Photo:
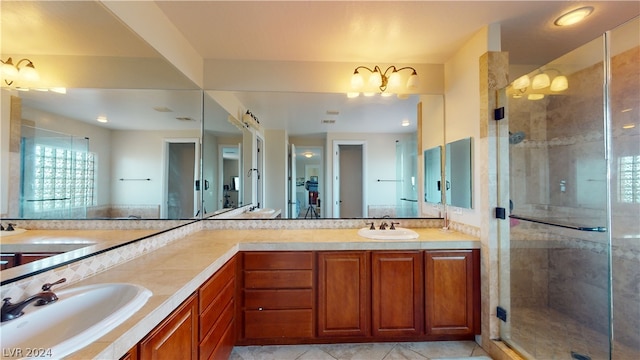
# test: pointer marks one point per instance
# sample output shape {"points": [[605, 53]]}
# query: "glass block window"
{"points": [[63, 178], [629, 179]]}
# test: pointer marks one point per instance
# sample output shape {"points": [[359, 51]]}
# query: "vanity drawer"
{"points": [[270, 324], [278, 260], [278, 299], [281, 279], [210, 315], [216, 336], [217, 282]]}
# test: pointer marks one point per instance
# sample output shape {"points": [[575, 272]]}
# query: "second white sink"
{"points": [[78, 318], [397, 234]]}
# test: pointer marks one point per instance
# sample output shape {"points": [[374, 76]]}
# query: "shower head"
{"points": [[516, 138]]}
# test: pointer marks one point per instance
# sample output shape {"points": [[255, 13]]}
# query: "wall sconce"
{"points": [[390, 78], [26, 73]]}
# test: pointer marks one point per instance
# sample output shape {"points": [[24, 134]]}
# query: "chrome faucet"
{"points": [[11, 311]]}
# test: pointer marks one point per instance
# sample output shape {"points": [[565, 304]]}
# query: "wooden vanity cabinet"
{"points": [[176, 337], [397, 293], [217, 313], [452, 289], [344, 294], [9, 260], [277, 295]]}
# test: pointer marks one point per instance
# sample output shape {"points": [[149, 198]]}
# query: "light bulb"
{"points": [[375, 79], [521, 82]]}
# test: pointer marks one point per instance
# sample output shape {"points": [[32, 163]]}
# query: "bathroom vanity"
{"points": [[217, 288]]}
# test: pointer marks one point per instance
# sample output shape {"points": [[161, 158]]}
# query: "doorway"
{"points": [[180, 195], [349, 174]]}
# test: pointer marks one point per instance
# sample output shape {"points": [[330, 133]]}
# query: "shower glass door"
{"points": [[570, 260], [58, 175], [558, 303]]}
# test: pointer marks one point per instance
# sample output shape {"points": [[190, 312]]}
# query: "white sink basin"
{"points": [[78, 318], [397, 234]]}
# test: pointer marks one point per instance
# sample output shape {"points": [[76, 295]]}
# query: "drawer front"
{"points": [[210, 315], [278, 299], [216, 283], [299, 260], [268, 324], [281, 279], [212, 339]]}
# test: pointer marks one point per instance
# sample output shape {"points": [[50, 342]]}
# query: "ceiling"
{"points": [[367, 32]]}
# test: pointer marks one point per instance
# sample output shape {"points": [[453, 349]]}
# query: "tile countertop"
{"points": [[72, 244], [176, 270]]}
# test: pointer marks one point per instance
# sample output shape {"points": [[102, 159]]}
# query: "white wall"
{"points": [[462, 110], [140, 155]]}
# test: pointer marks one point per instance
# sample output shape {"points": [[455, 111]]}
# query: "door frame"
{"points": [[165, 172], [336, 175]]}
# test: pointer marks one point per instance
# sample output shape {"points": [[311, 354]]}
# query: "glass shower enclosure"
{"points": [[58, 175], [570, 263]]}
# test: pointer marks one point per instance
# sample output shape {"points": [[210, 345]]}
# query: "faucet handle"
{"points": [[372, 227], [384, 225], [47, 286], [393, 225]]}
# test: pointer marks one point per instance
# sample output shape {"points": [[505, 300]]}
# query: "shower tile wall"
{"points": [[567, 270]]}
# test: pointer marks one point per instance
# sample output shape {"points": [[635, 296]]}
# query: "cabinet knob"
{"points": [[259, 309]]}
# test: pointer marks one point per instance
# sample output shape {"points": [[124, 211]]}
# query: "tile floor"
{"points": [[450, 350], [548, 334]]}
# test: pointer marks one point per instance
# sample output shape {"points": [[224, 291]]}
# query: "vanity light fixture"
{"points": [[522, 82], [24, 70], [535, 96], [379, 80], [574, 16]]}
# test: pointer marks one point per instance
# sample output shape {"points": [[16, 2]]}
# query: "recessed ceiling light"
{"points": [[628, 126], [405, 123], [574, 16], [333, 112], [102, 119]]}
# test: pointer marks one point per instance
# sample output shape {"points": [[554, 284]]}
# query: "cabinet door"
{"points": [[452, 290], [176, 337], [397, 288], [343, 294]]}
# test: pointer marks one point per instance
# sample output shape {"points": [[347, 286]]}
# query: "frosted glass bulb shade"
{"points": [[9, 71], [357, 82], [535, 96], [375, 79], [559, 83], [413, 82], [394, 80], [521, 82], [29, 73], [540, 81]]}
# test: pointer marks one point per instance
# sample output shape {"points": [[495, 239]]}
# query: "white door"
{"points": [[293, 203]]}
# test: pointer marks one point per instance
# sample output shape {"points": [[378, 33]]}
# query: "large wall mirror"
{"points": [[141, 164], [381, 130]]}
